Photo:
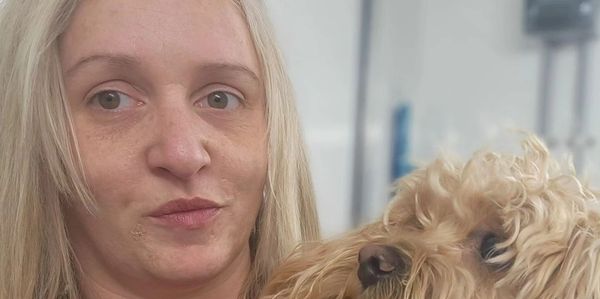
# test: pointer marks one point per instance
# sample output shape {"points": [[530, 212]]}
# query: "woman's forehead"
{"points": [[188, 34]]}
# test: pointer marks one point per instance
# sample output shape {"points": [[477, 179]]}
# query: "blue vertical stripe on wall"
{"points": [[400, 141]]}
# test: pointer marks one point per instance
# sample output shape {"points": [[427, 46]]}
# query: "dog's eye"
{"points": [[487, 249]]}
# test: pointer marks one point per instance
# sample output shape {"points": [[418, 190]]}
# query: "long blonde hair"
{"points": [[40, 169]]}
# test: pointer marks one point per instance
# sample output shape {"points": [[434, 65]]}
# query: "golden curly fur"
{"points": [[543, 222]]}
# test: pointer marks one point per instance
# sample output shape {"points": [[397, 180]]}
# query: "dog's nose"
{"points": [[377, 262]]}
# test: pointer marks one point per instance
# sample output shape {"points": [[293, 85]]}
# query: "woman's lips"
{"points": [[186, 213]]}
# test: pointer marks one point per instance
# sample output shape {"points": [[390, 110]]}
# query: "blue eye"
{"points": [[112, 100], [221, 100]]}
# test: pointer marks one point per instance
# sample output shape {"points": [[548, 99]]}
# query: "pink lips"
{"points": [[186, 213]]}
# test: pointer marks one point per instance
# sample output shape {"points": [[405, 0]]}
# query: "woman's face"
{"points": [[169, 114]]}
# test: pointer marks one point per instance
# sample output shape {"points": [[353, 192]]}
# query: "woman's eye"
{"points": [[112, 100], [487, 249], [221, 100]]}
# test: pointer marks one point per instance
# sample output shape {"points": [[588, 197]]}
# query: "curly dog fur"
{"points": [[499, 226]]}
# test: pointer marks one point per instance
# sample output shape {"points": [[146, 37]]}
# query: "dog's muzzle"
{"points": [[378, 262]]}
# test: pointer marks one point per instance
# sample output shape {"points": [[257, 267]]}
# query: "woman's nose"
{"points": [[179, 146]]}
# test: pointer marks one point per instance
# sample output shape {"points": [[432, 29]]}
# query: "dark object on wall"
{"points": [[559, 20], [558, 23]]}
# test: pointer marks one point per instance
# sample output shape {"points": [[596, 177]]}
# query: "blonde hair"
{"points": [[40, 169], [288, 214]]}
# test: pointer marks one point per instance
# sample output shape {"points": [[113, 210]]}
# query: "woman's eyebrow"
{"points": [[228, 68], [114, 60], [126, 61]]}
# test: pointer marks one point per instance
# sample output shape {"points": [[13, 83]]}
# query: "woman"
{"points": [[149, 149]]}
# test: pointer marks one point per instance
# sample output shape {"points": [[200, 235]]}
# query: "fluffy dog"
{"points": [[499, 226]]}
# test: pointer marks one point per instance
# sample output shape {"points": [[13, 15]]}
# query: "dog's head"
{"points": [[499, 226]]}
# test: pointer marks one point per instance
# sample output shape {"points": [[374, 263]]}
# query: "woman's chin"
{"points": [[195, 264], [187, 267]]}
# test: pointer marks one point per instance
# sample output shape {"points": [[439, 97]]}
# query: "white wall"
{"points": [[480, 74], [320, 43], [464, 66], [477, 74], [395, 64], [470, 74]]}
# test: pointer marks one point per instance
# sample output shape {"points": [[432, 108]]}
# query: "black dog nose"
{"points": [[378, 262]]}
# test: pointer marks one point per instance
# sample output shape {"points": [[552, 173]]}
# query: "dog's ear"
{"points": [[566, 268], [552, 230]]}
